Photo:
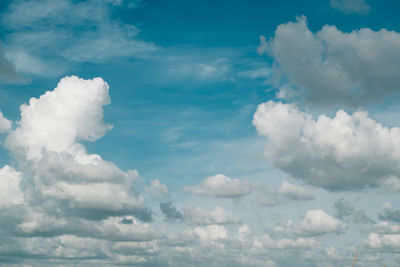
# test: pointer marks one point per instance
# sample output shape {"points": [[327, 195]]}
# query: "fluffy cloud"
{"points": [[287, 192], [5, 124], [386, 242], [58, 119], [157, 189], [64, 196], [335, 67], [220, 186], [317, 222], [59, 175], [68, 31], [346, 152], [204, 217], [351, 6]]}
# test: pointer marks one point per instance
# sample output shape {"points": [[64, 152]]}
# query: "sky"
{"points": [[199, 133]]}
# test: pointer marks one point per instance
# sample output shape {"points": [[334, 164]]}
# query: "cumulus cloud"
{"points": [[351, 6], [157, 189], [58, 119], [334, 67], [58, 174], [200, 216], [317, 222], [220, 186], [287, 192], [384, 242], [345, 152], [69, 32], [5, 125]]}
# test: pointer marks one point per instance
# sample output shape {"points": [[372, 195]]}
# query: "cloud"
{"points": [[346, 152], [391, 184], [157, 189], [210, 70], [10, 187], [345, 209], [69, 32], [7, 70], [333, 67], [351, 6], [385, 242], [386, 228], [220, 186], [287, 192], [58, 174], [388, 213], [199, 216], [317, 222], [58, 119], [5, 125], [170, 211]]}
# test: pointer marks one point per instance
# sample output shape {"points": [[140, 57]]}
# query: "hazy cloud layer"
{"points": [[351, 6], [286, 193], [220, 186], [69, 32]]}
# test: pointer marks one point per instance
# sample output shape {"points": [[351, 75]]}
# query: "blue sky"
{"points": [[198, 133]]}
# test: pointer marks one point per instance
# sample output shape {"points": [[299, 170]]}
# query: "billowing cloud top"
{"points": [[73, 111]]}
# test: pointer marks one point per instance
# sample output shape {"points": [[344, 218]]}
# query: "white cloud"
{"points": [[220, 186], [287, 192], [10, 192], [351, 6], [60, 175], [378, 241], [5, 125], [58, 119], [157, 189], [334, 67], [317, 222], [342, 153], [204, 217]]}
